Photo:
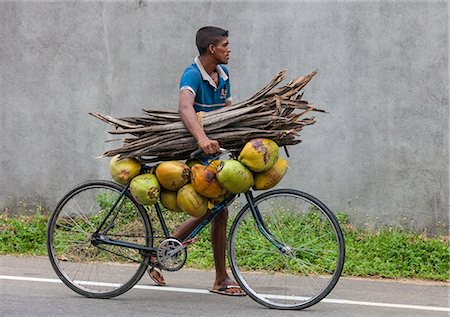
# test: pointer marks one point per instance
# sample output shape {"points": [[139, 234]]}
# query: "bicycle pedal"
{"points": [[190, 241]]}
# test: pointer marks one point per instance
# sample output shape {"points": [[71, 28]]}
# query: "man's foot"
{"points": [[228, 287], [156, 275]]}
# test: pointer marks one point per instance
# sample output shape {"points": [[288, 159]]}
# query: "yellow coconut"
{"points": [[259, 155], [271, 177], [123, 170], [145, 189], [192, 202], [204, 180], [172, 175], [234, 177], [214, 163], [169, 200]]}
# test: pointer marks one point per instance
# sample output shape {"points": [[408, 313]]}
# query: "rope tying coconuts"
{"points": [[257, 126]]}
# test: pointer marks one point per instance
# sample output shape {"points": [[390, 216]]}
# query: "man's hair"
{"points": [[209, 35]]}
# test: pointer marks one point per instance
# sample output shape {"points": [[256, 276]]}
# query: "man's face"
{"points": [[221, 51]]}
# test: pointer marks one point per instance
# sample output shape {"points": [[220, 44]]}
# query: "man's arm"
{"points": [[190, 121]]}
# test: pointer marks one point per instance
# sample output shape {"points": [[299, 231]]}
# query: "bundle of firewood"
{"points": [[159, 135]]}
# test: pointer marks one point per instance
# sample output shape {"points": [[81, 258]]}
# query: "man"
{"points": [[205, 86]]}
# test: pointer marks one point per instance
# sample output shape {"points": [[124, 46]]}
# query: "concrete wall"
{"points": [[381, 154]]}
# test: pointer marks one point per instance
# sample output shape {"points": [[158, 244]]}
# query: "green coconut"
{"points": [[192, 162], [234, 177], [124, 170], [145, 189]]}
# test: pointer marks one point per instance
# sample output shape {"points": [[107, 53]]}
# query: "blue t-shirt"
{"points": [[208, 97]]}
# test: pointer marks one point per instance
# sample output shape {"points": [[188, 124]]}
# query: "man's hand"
{"points": [[191, 122], [209, 146]]}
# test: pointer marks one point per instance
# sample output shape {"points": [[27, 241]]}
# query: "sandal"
{"points": [[225, 290], [155, 273]]}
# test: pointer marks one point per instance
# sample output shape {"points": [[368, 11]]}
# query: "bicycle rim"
{"points": [[308, 267], [101, 271]]}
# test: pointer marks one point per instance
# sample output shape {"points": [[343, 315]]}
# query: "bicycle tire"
{"points": [[101, 271], [310, 265]]}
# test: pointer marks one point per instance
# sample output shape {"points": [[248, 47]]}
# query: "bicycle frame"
{"points": [[99, 236]]}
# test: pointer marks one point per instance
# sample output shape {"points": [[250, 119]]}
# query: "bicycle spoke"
{"points": [[310, 262], [81, 230], [102, 270], [83, 216]]}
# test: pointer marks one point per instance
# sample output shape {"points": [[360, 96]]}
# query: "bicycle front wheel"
{"points": [[91, 269], [302, 262]]}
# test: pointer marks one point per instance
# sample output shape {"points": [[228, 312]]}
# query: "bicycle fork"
{"points": [[262, 226]]}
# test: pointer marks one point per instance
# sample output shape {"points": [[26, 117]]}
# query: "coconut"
{"points": [[169, 200], [204, 180], [271, 177], [192, 202], [259, 155], [215, 201], [214, 163], [172, 175], [145, 189], [192, 162], [234, 176], [123, 170]]}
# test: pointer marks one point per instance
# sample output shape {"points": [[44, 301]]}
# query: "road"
{"points": [[29, 287]]}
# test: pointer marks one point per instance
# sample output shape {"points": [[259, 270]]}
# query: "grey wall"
{"points": [[381, 154]]}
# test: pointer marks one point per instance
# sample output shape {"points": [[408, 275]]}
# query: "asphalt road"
{"points": [[29, 287]]}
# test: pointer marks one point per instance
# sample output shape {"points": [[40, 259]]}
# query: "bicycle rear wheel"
{"points": [[308, 266], [99, 271]]}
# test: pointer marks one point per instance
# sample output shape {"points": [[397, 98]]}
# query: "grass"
{"points": [[389, 252], [23, 234], [395, 253]]}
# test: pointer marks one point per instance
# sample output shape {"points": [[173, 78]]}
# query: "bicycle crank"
{"points": [[171, 254]]}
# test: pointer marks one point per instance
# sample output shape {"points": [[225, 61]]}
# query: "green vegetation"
{"points": [[23, 234], [389, 252], [395, 253]]}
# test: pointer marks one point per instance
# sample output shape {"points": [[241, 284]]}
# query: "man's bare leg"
{"points": [[181, 233], [219, 242], [186, 227]]}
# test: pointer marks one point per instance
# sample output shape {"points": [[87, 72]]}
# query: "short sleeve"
{"points": [[227, 85], [190, 80]]}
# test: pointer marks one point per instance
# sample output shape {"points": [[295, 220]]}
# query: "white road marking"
{"points": [[202, 291]]}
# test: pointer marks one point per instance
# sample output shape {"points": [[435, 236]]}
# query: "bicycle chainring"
{"points": [[171, 254]]}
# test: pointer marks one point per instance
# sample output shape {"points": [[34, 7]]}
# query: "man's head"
{"points": [[213, 40]]}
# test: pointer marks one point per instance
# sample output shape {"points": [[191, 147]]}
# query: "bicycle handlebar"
{"points": [[222, 151], [197, 153]]}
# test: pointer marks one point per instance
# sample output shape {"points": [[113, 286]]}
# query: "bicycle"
{"points": [[285, 247]]}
